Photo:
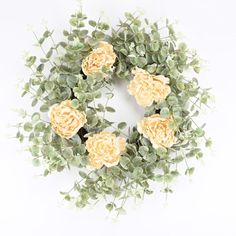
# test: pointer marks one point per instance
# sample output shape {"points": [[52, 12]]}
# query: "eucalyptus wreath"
{"points": [[68, 127]]}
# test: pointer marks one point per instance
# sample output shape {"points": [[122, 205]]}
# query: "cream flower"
{"points": [[157, 130], [105, 149], [98, 58], [65, 120], [147, 88]]}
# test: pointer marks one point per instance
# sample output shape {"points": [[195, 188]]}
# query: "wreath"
{"points": [[68, 128]]}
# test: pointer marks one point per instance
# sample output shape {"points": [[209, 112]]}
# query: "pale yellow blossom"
{"points": [[105, 148], [103, 56], [65, 120], [157, 130], [147, 88]]}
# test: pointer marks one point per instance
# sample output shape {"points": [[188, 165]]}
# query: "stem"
{"points": [[42, 100], [54, 44], [197, 127], [115, 197], [120, 131], [45, 54], [128, 21], [194, 103], [78, 183], [124, 198]]}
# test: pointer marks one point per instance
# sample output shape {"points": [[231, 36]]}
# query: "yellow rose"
{"points": [[65, 120], [105, 148], [98, 58], [147, 88], [157, 130]]}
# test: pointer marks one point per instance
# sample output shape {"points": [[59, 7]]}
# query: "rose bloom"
{"points": [[98, 58], [105, 148], [147, 88], [65, 120], [157, 130]]}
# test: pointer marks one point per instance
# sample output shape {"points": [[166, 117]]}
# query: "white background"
{"points": [[30, 204]]}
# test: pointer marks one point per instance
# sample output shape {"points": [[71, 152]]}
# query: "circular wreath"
{"points": [[69, 128]]}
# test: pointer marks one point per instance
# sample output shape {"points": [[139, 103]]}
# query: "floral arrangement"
{"points": [[68, 128]]}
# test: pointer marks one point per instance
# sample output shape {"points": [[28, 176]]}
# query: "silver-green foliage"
{"points": [[57, 76]]}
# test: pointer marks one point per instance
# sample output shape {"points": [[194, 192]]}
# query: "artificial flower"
{"points": [[147, 88], [157, 130], [105, 148], [65, 120], [103, 56]]}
